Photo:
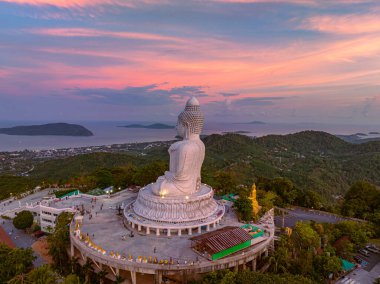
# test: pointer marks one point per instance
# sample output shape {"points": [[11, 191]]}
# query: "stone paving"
{"points": [[361, 276], [21, 239], [106, 229]]}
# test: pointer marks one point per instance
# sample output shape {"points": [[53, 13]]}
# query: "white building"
{"points": [[46, 216]]}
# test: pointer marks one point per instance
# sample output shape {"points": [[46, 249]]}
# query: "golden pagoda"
{"points": [[255, 204]]}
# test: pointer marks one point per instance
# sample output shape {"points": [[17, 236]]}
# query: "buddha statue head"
{"points": [[190, 120]]}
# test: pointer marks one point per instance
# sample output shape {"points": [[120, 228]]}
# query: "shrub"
{"points": [[23, 220]]}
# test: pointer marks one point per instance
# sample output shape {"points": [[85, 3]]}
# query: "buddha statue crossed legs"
{"points": [[186, 156]]}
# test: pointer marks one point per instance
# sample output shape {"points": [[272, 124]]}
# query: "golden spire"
{"points": [[255, 204]]}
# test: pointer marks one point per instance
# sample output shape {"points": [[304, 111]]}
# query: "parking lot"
{"points": [[367, 273], [372, 259]]}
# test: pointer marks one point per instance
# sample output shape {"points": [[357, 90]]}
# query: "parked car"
{"points": [[372, 248], [358, 258], [364, 252]]}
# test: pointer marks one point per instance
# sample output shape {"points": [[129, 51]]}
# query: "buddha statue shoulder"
{"points": [[186, 156]]}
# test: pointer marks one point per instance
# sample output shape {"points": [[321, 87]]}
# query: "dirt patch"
{"points": [[4, 238], [42, 248]]}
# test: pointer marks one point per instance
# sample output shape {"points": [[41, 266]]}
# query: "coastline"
{"points": [[107, 134]]}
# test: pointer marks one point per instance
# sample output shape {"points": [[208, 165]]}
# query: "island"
{"points": [[252, 122], [151, 126], [236, 132], [256, 122], [56, 129]]}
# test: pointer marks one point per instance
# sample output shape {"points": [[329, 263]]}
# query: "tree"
{"points": [[23, 220], [149, 173], [18, 279], [42, 275], [119, 279], [266, 199], [309, 199], [325, 265], [355, 231], [87, 271], [225, 182], [14, 261], [102, 275], [360, 199], [59, 241], [103, 178], [285, 189], [279, 261], [243, 206], [305, 236], [123, 176], [72, 279]]}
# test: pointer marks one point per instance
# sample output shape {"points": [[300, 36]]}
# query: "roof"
{"points": [[346, 265], [222, 239]]}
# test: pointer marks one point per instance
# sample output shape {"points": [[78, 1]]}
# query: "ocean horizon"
{"points": [[110, 132]]}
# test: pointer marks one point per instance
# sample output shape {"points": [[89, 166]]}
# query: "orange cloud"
{"points": [[82, 32], [221, 64], [346, 24]]}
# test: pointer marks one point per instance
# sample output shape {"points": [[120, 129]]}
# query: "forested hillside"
{"points": [[315, 161]]}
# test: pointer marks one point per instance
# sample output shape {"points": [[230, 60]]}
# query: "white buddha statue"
{"points": [[186, 156]]}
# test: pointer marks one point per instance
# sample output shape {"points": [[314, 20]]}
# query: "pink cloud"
{"points": [[346, 24], [221, 64], [82, 32], [300, 2], [82, 3]]}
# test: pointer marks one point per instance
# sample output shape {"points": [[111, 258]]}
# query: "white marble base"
{"points": [[197, 206], [174, 215]]}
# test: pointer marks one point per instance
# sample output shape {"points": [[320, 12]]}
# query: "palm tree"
{"points": [[119, 279], [73, 264], [19, 279], [42, 275], [102, 274], [87, 269]]}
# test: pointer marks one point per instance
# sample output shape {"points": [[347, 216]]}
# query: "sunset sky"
{"points": [[276, 61]]}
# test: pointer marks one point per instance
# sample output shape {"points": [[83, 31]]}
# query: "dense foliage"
{"points": [[363, 201], [23, 220], [13, 185], [17, 261], [40, 275], [315, 162], [313, 249], [59, 242], [247, 277]]}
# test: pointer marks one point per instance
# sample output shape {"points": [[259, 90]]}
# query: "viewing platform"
{"points": [[139, 257]]}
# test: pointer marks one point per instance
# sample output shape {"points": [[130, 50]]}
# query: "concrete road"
{"points": [[292, 216], [32, 198]]}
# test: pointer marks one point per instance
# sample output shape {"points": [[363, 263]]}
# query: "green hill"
{"points": [[313, 160]]}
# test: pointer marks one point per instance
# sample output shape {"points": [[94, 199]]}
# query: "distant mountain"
{"points": [[358, 138], [57, 129], [236, 132], [256, 122], [151, 126]]}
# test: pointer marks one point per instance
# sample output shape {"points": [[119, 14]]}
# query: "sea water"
{"points": [[110, 132]]}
